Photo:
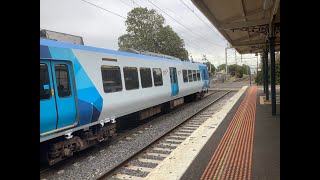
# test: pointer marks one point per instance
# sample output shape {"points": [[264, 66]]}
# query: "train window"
{"points": [[45, 92], [194, 73], [145, 74], [131, 78], [63, 80], [157, 76], [190, 75], [185, 75], [198, 75], [111, 79]]}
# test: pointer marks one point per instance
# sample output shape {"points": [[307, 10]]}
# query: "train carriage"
{"points": [[86, 93]]}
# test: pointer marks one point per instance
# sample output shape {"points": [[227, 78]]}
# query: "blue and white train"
{"points": [[86, 93]]}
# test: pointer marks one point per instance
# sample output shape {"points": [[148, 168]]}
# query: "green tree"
{"points": [[146, 32], [240, 71], [245, 69], [232, 69], [259, 78], [221, 67], [236, 70], [171, 44]]}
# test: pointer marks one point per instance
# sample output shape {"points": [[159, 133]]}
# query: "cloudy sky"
{"points": [[101, 28]]}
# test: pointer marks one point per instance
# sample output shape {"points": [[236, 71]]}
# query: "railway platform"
{"points": [[241, 141]]}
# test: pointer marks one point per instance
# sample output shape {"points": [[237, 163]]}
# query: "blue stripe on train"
{"points": [[44, 52], [89, 100]]}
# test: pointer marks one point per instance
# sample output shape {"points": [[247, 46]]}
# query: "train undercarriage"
{"points": [[58, 149]]}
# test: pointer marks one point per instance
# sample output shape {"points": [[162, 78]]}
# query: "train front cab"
{"points": [[58, 106], [205, 77]]}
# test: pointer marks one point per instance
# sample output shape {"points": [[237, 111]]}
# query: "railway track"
{"points": [[247, 78], [144, 161], [124, 135]]}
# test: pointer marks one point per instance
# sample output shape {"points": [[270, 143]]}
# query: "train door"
{"points": [[57, 95], [48, 112], [174, 81]]}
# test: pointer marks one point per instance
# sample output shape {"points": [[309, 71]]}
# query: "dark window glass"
{"points": [[173, 75], [45, 91], [194, 72], [111, 79], [185, 75], [157, 76], [63, 80], [190, 75], [145, 74], [131, 78], [198, 75]]}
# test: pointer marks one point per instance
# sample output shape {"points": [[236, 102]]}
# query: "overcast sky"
{"points": [[100, 28]]}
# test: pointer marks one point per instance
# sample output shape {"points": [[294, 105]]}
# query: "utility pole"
{"points": [[191, 59], [226, 49], [205, 58], [249, 74], [257, 67], [235, 55], [257, 64]]}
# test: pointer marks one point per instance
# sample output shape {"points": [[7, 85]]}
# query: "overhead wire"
{"points": [[200, 48], [188, 42], [191, 35], [202, 20], [135, 3], [103, 9], [184, 25], [126, 3]]}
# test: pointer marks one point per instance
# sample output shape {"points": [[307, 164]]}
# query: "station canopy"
{"points": [[245, 24]]}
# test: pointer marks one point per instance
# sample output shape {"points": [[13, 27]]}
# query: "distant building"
{"points": [[62, 37]]}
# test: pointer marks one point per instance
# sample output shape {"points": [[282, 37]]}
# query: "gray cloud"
{"points": [[102, 29]]}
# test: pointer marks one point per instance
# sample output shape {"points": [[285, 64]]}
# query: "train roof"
{"points": [[47, 42]]}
